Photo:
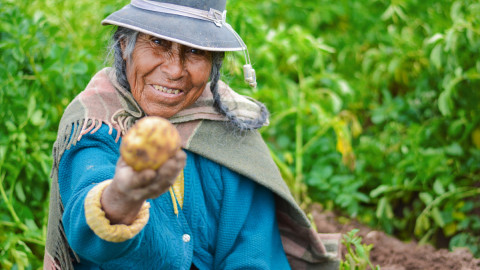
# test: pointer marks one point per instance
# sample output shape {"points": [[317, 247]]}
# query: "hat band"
{"points": [[212, 15]]}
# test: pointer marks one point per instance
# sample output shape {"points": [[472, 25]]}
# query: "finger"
{"points": [[171, 169], [179, 160], [157, 182], [174, 162], [180, 154], [144, 178]]}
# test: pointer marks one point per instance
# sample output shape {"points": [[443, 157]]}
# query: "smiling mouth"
{"points": [[167, 90]]}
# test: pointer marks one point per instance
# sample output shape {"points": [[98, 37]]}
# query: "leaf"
{"points": [[421, 224], [36, 118], [359, 248], [445, 103], [454, 150], [32, 104], [17, 54], [381, 207], [458, 216], [19, 192], [10, 126], [459, 240], [388, 209], [456, 127], [378, 117], [37, 16], [31, 224], [336, 102], [356, 127], [388, 13], [325, 171], [476, 137], [426, 198], [379, 190], [79, 68], [361, 197], [324, 47], [400, 13], [434, 38], [3, 151], [437, 217], [436, 56], [344, 87], [438, 187], [455, 11], [450, 229]]}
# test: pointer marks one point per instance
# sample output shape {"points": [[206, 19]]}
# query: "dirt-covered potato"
{"points": [[149, 143]]}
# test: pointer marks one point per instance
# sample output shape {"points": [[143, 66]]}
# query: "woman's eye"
{"points": [[158, 41], [197, 51]]}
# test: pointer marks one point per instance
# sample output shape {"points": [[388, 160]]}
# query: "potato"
{"points": [[149, 143]]}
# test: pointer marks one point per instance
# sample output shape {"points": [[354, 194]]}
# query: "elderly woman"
{"points": [[219, 203]]}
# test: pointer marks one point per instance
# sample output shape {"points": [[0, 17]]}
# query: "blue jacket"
{"points": [[227, 221]]}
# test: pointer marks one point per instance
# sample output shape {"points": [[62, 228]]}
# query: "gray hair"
{"points": [[129, 37]]}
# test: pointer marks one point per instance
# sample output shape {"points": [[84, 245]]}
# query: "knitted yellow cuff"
{"points": [[101, 225]]}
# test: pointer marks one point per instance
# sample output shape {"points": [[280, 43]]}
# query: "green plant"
{"points": [[43, 64], [374, 107], [358, 254]]}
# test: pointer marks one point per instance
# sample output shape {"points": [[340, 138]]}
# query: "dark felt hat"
{"points": [[195, 23]]}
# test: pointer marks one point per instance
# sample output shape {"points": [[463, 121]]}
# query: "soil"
{"points": [[392, 254]]}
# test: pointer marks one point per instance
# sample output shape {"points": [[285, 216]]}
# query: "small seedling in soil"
{"points": [[358, 254]]}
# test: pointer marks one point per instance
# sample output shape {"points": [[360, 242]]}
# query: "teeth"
{"points": [[166, 90]]}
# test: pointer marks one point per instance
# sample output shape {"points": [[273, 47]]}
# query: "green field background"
{"points": [[374, 108]]}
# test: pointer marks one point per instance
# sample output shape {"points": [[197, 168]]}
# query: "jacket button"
{"points": [[186, 238]]}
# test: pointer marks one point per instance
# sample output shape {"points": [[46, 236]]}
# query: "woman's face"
{"points": [[165, 77]]}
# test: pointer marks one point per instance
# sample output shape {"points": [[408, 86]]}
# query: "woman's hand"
{"points": [[124, 197]]}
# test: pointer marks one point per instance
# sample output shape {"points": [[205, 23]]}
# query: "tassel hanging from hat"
{"points": [[248, 71], [249, 75]]}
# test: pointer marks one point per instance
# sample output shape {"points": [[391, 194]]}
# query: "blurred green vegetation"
{"points": [[375, 108]]}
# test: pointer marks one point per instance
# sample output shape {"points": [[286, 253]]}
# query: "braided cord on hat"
{"points": [[212, 15]]}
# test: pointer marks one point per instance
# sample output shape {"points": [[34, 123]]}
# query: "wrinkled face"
{"points": [[166, 77]]}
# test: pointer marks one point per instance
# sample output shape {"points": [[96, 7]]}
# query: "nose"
{"points": [[174, 64]]}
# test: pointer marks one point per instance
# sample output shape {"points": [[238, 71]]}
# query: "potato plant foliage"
{"points": [[375, 108]]}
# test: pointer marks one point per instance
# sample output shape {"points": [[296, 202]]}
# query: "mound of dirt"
{"points": [[392, 254]]}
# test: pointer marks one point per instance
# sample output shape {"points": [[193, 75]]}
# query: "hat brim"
{"points": [[195, 33]]}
